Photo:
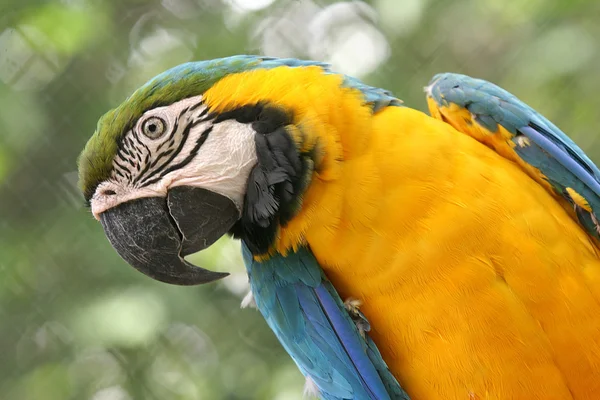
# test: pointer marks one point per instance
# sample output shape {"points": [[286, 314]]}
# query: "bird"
{"points": [[395, 254]]}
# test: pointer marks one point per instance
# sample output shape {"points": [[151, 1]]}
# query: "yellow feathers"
{"points": [[331, 117], [464, 264], [579, 199], [476, 282]]}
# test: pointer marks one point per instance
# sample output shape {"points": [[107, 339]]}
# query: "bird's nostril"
{"points": [[109, 192]]}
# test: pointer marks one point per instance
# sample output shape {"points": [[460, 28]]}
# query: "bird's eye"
{"points": [[154, 127]]}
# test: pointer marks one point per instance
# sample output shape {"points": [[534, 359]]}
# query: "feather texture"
{"points": [[476, 282], [514, 129], [310, 320]]}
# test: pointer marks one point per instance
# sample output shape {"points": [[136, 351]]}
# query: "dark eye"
{"points": [[154, 127]]}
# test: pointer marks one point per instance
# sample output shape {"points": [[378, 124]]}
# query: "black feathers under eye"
{"points": [[154, 127], [276, 183]]}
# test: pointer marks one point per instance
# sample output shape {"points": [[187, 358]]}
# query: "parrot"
{"points": [[394, 253]]}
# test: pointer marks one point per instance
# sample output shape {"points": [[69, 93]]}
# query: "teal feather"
{"points": [[212, 71], [310, 320], [553, 153], [389, 381]]}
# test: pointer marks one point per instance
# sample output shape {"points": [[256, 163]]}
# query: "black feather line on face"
{"points": [[277, 181], [201, 139]]}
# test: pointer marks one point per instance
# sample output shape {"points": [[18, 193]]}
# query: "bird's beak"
{"points": [[153, 234]]}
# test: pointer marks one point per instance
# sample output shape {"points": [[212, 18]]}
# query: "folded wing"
{"points": [[310, 320], [516, 131]]}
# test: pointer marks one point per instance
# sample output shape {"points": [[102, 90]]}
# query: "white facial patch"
{"points": [[193, 151], [223, 163]]}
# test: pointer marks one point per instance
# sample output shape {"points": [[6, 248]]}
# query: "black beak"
{"points": [[153, 234]]}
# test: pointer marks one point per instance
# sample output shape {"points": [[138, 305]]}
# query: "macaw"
{"points": [[393, 253]]}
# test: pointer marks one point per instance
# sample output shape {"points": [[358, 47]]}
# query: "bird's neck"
{"points": [[341, 189], [330, 128]]}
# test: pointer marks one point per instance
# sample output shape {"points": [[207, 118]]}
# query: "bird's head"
{"points": [[200, 151]]}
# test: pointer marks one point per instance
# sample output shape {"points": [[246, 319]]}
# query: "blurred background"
{"points": [[75, 321]]}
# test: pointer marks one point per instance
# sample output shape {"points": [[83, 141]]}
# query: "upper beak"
{"points": [[153, 234]]}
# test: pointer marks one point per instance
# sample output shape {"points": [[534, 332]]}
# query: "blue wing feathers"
{"points": [[393, 388], [289, 312], [539, 136], [308, 317], [552, 152], [351, 342]]}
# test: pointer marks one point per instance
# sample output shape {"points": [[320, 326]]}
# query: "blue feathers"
{"points": [[204, 74], [312, 324], [554, 154], [376, 97]]}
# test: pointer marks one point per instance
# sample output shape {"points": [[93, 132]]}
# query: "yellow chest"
{"points": [[478, 285]]}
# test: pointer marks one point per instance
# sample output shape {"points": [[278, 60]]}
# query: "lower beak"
{"points": [[153, 234]]}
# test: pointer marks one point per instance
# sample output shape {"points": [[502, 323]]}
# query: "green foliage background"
{"points": [[76, 322]]}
